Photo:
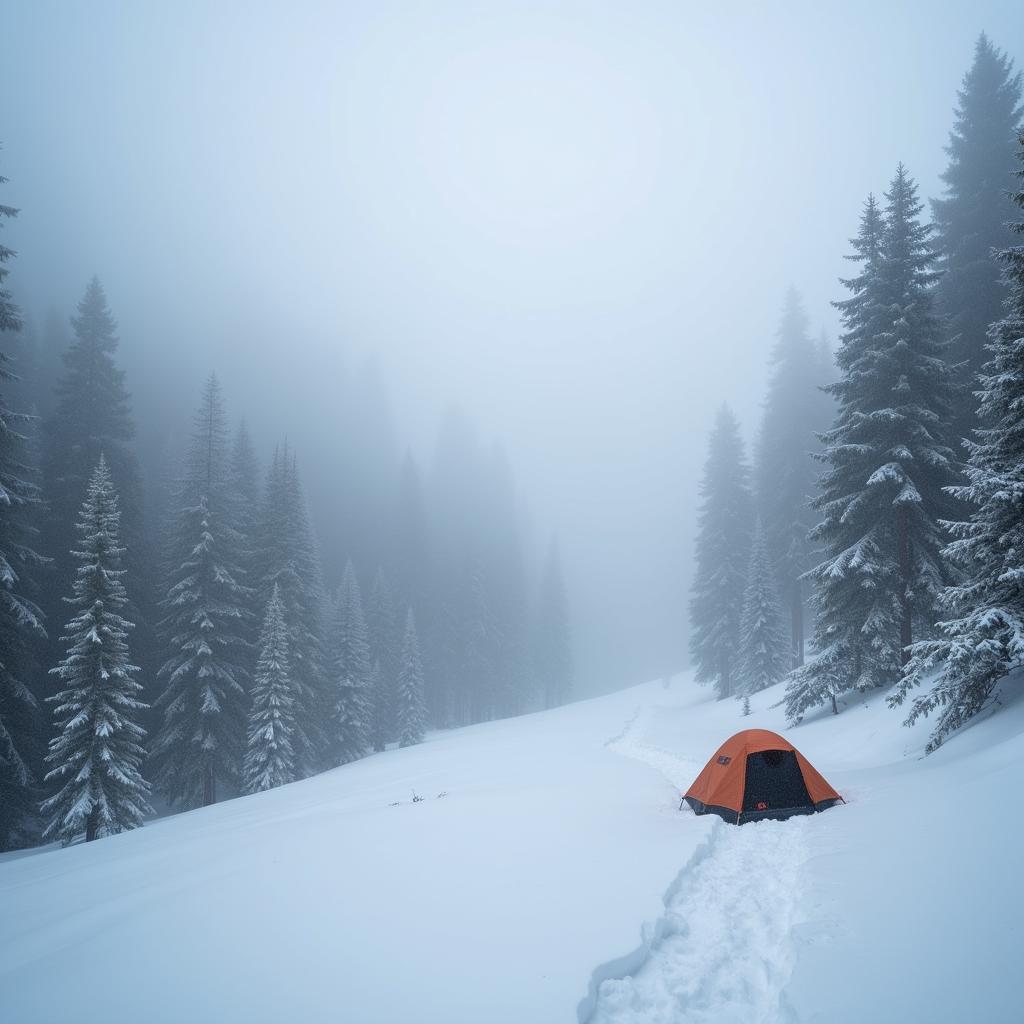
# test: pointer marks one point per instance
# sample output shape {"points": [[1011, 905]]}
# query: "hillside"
{"points": [[546, 863]]}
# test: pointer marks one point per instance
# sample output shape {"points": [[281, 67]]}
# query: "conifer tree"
{"points": [[288, 558], [887, 464], [243, 477], [10, 315], [202, 736], [270, 756], [244, 500], [982, 640], [970, 218], [786, 474], [21, 621], [384, 641], [763, 649], [723, 548], [353, 708], [552, 646], [97, 753], [410, 707], [91, 417]]}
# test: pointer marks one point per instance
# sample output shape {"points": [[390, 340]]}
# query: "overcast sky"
{"points": [[577, 220]]}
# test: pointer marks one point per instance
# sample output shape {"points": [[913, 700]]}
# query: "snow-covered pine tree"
{"points": [[410, 707], [353, 707], [289, 558], [91, 417], [97, 752], [763, 656], [785, 471], [552, 654], [243, 500], [723, 548], [202, 735], [270, 756], [382, 633], [970, 218], [21, 621], [201, 738], [983, 641], [888, 463], [243, 491]]}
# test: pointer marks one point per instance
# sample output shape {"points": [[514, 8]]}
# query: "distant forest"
{"points": [[876, 539], [168, 633]]}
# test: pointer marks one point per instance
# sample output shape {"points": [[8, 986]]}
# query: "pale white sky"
{"points": [[576, 219]]}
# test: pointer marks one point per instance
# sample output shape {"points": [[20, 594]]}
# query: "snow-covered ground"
{"points": [[554, 881]]}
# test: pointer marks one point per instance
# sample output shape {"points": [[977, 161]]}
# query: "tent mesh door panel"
{"points": [[774, 782]]}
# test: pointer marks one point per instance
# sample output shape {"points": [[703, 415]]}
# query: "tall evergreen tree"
{"points": [[763, 650], [243, 500], [983, 640], [243, 488], [723, 548], [785, 477], [288, 558], [91, 417], [202, 734], [410, 706], [384, 642], [882, 493], [21, 621], [97, 753], [970, 218], [201, 737], [353, 708], [552, 640], [270, 755]]}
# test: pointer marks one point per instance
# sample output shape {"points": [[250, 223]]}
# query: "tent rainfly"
{"points": [[755, 775]]}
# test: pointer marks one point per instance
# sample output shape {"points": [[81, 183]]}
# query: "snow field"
{"points": [[557, 881]]}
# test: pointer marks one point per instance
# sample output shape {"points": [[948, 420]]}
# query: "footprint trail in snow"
{"points": [[724, 951]]}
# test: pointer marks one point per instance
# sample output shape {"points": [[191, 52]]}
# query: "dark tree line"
{"points": [[206, 651], [898, 523]]}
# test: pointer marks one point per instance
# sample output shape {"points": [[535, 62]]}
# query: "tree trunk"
{"points": [[92, 824], [903, 539], [209, 787], [835, 709]]}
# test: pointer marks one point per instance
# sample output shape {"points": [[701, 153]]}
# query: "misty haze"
{"points": [[511, 512]]}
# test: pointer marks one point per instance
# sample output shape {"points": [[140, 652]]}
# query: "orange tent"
{"points": [[755, 775]]}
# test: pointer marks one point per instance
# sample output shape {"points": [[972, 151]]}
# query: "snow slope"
{"points": [[555, 881]]}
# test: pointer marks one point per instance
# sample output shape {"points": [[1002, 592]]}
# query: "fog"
{"points": [[576, 222]]}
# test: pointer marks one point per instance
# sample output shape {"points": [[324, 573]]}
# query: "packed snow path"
{"points": [[724, 949]]}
